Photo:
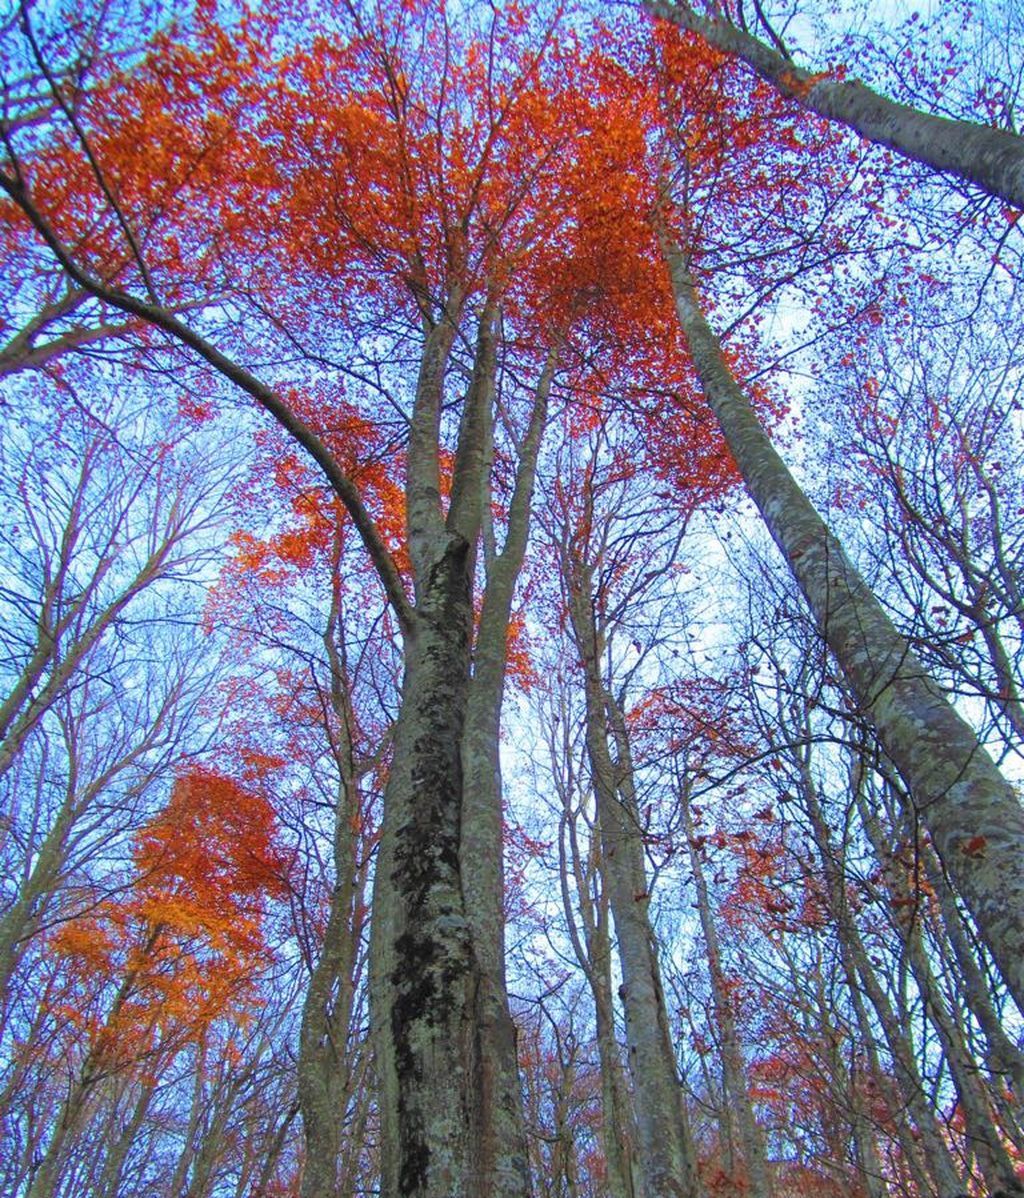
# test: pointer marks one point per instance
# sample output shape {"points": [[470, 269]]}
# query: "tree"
{"points": [[956, 788], [99, 530], [992, 159], [417, 240], [154, 969]]}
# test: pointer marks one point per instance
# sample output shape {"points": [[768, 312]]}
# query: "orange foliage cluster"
{"points": [[183, 940]]}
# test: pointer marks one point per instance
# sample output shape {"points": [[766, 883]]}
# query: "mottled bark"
{"points": [[971, 812], [424, 974], [1005, 1060], [441, 1103], [992, 159]]}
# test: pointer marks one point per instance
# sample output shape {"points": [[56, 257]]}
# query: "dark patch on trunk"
{"points": [[433, 956]]}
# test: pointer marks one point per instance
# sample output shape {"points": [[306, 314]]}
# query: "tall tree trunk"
{"points": [[992, 159], [436, 978], [971, 812], [665, 1148], [979, 1125], [1005, 1060], [504, 1158], [117, 1154], [425, 975], [324, 1067], [860, 975], [593, 952]]}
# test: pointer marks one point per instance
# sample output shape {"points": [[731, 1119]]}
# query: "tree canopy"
{"points": [[511, 588]]}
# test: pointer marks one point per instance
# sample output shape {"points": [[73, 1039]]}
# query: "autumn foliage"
{"points": [[362, 263]]}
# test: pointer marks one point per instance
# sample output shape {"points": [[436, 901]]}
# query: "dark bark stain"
{"points": [[433, 954]]}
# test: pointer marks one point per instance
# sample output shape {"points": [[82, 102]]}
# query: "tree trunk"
{"points": [[324, 1067], [979, 1125], [971, 812], [734, 1074], [593, 952], [504, 1158], [113, 1167], [861, 976], [425, 975], [992, 159], [437, 989], [666, 1152]]}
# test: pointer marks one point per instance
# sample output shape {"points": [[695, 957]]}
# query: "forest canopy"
{"points": [[511, 600]]}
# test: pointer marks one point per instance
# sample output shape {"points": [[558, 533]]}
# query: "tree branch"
{"points": [[265, 396]]}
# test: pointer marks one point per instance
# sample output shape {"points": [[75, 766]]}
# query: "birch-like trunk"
{"points": [[992, 159], [971, 812]]}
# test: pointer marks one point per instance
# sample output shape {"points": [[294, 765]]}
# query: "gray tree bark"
{"points": [[450, 1103], [503, 1154], [992, 159], [971, 812], [325, 1064], [665, 1148], [593, 952]]}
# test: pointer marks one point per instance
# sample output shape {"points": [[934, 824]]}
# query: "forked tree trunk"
{"points": [[503, 1158], [971, 812], [992, 159], [451, 1124]]}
